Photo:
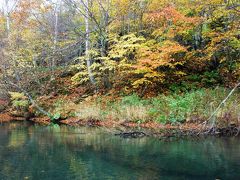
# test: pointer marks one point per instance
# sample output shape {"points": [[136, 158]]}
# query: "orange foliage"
{"points": [[167, 15]]}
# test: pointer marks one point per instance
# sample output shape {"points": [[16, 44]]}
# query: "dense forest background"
{"points": [[143, 46], [60, 52]]}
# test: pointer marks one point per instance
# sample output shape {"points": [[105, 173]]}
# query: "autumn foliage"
{"points": [[143, 46]]}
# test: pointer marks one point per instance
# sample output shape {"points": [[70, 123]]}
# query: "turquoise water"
{"points": [[34, 152]]}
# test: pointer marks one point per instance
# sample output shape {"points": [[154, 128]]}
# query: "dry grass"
{"points": [[130, 113], [89, 111], [195, 106]]}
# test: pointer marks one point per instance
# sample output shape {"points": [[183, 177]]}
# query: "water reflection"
{"points": [[32, 152]]}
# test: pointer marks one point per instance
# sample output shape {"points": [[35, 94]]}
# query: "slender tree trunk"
{"points": [[103, 39], [56, 27], [87, 43], [104, 33], [7, 13], [8, 24], [55, 38]]}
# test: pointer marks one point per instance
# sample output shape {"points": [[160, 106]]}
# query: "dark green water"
{"points": [[31, 152]]}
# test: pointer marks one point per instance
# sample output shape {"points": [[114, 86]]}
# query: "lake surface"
{"points": [[35, 152]]}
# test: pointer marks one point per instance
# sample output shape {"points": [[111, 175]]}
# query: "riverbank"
{"points": [[191, 113], [136, 130]]}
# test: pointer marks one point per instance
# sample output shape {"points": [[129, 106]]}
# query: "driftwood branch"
{"points": [[222, 103]]}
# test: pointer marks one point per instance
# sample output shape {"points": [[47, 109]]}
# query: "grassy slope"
{"points": [[195, 106]]}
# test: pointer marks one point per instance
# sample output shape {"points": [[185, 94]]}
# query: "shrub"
{"points": [[17, 96], [19, 100]]}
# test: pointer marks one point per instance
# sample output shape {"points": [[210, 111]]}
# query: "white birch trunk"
{"points": [[7, 14], [55, 37], [87, 43]]}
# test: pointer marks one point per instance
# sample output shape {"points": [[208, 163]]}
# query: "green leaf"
{"points": [[56, 116]]}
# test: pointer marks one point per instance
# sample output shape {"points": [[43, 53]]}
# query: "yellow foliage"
{"points": [[17, 96]]}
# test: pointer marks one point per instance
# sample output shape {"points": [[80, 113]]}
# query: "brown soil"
{"points": [[3, 102], [153, 128], [6, 117]]}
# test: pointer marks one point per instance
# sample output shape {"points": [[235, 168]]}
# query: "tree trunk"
{"points": [[55, 37], [87, 43], [7, 13]]}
